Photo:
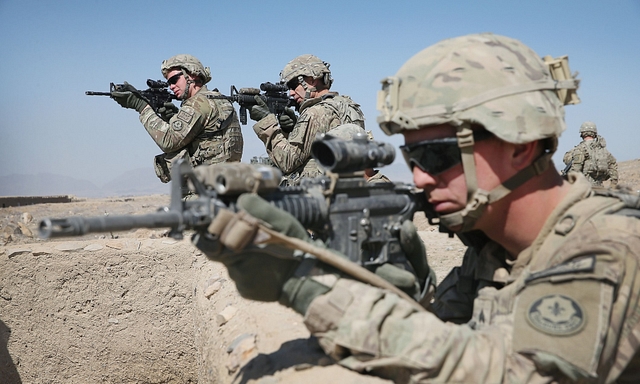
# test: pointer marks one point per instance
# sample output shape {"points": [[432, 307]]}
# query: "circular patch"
{"points": [[556, 315], [177, 125]]}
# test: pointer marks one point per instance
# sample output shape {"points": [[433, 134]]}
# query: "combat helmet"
{"points": [[306, 65], [189, 63], [588, 128], [486, 79]]}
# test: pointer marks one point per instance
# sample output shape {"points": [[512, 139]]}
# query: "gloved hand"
{"points": [[270, 273], [167, 111], [287, 120], [260, 110], [262, 273], [129, 97], [416, 253]]}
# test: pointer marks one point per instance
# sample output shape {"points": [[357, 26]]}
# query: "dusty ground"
{"points": [[136, 307]]}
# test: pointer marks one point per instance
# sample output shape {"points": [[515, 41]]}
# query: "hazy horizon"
{"points": [[55, 51]]}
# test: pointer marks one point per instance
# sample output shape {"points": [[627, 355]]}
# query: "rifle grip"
{"points": [[243, 115]]}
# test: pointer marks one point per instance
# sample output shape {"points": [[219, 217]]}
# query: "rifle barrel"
{"points": [[92, 93], [78, 226]]}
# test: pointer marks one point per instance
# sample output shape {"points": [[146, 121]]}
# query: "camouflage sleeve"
{"points": [[568, 157], [370, 330], [290, 152], [183, 127]]}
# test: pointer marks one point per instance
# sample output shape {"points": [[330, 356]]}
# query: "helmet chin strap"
{"points": [[478, 199], [307, 88], [187, 78], [185, 94]]}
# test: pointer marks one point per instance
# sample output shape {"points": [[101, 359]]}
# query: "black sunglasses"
{"points": [[436, 156], [293, 84], [174, 79]]}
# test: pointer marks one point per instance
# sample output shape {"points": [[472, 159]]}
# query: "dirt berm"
{"points": [[137, 307]]}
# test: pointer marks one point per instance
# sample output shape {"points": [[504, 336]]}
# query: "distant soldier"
{"points": [[203, 130], [592, 158], [288, 138], [348, 132]]}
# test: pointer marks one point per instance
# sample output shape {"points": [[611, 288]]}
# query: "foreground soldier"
{"points": [[288, 138], [592, 158], [203, 130], [557, 276]]}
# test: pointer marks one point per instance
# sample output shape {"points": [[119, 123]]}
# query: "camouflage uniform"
{"points": [[565, 308], [206, 130], [203, 131], [291, 152], [592, 159], [577, 285], [498, 319]]}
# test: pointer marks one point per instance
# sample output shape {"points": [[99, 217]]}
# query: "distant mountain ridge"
{"points": [[136, 182]]}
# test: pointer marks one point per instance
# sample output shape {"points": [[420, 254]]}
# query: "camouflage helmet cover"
{"points": [[588, 127], [188, 62], [487, 79], [306, 65]]}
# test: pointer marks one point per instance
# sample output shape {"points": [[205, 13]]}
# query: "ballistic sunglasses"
{"points": [[438, 155], [293, 84], [174, 79]]}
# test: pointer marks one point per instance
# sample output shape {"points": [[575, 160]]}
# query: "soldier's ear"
{"points": [[525, 154]]}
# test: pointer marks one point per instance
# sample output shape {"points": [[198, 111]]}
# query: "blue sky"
{"points": [[54, 51]]}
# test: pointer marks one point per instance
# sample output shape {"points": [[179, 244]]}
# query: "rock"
{"points": [[11, 229], [234, 344], [17, 251], [93, 247], [68, 247], [114, 245], [227, 314], [26, 218], [241, 350], [212, 289], [25, 230], [6, 295]]}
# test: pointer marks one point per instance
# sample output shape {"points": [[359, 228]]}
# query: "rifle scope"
{"points": [[270, 87], [157, 83], [341, 156]]}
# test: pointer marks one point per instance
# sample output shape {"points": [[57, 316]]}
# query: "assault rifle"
{"points": [[359, 219], [567, 168], [156, 95], [276, 96]]}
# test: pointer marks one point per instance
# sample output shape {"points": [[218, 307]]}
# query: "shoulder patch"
{"points": [[185, 115], [177, 125], [556, 315]]}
